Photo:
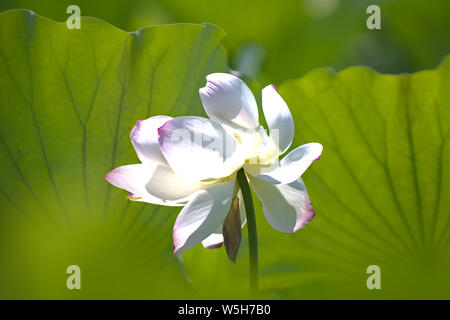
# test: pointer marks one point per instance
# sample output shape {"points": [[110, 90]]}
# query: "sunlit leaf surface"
{"points": [[68, 100], [380, 192]]}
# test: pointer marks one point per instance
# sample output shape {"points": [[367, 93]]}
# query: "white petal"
{"points": [[203, 214], [293, 165], [286, 207], [131, 177], [278, 118], [214, 240], [144, 138], [164, 183], [227, 98], [135, 179], [197, 148]]}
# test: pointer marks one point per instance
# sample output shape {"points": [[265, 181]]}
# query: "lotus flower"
{"points": [[193, 162]]}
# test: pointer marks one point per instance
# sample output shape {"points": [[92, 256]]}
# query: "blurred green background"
{"points": [[289, 37], [123, 247]]}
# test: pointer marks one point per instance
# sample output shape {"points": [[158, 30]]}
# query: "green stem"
{"points": [[252, 236]]}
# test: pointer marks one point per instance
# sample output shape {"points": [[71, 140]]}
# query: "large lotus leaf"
{"points": [[380, 191], [68, 100], [381, 188]]}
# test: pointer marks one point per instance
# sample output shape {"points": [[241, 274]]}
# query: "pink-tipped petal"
{"points": [[144, 138], [287, 207], [294, 164], [198, 148], [138, 179], [131, 177], [308, 215], [228, 99], [213, 241]]}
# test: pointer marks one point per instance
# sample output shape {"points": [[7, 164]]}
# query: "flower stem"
{"points": [[252, 236]]}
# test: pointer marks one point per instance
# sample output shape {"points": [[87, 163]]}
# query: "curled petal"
{"points": [[227, 98], [166, 184], [197, 148], [287, 207], [293, 165], [136, 179], [202, 215], [144, 138], [214, 240], [278, 118]]}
